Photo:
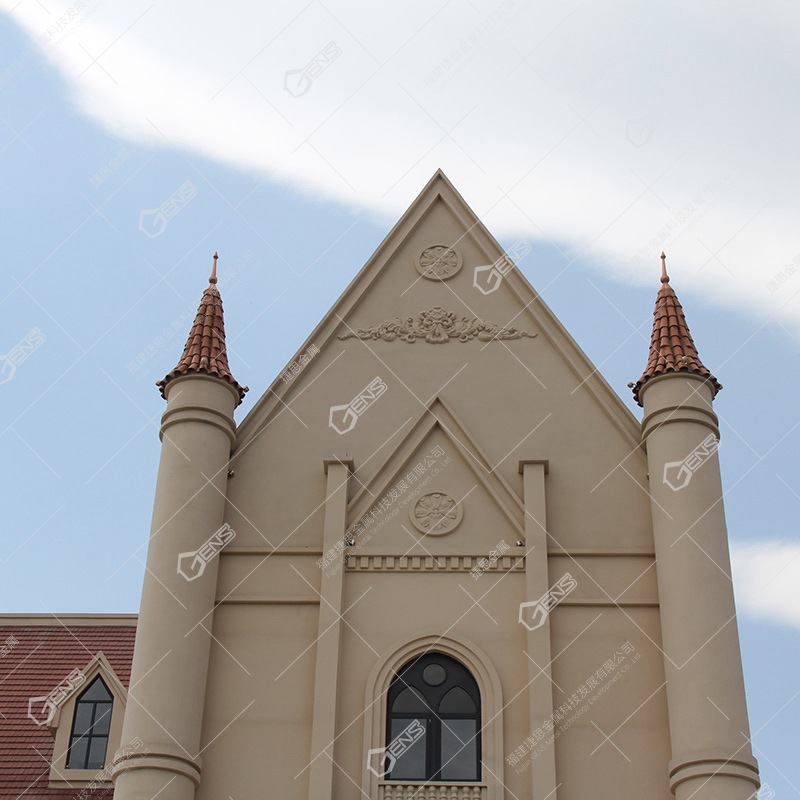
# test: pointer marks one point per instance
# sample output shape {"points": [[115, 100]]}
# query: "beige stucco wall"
{"points": [[531, 398]]}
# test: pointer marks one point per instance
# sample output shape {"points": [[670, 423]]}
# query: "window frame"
{"points": [[63, 777], [90, 735], [457, 676], [383, 671]]}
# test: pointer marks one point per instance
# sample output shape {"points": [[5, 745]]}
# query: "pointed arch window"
{"points": [[91, 725], [434, 721]]}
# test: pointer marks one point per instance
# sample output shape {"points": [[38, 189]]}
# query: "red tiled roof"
{"points": [[205, 349], [672, 348], [40, 660]]}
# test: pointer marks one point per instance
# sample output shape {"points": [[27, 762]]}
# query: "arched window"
{"points": [[90, 727], [433, 730]]}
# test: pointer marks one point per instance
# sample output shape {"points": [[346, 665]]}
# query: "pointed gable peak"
{"points": [[205, 351], [437, 176], [672, 349], [438, 185]]}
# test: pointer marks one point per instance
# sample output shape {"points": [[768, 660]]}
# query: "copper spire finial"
{"points": [[664, 276], [213, 278]]}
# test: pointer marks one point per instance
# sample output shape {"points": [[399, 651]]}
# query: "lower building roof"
{"points": [[37, 652]]}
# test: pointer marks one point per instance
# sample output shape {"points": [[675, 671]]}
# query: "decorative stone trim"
{"points": [[433, 791], [285, 600], [438, 262], [456, 563], [437, 326], [711, 765], [610, 602], [178, 765], [436, 513]]}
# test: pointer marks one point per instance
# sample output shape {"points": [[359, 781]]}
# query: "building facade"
{"points": [[439, 558]]}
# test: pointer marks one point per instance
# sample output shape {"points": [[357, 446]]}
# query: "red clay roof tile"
{"points": [[205, 350], [672, 348], [39, 660]]}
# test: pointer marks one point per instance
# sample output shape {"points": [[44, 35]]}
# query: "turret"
{"points": [[709, 729], [170, 664]]}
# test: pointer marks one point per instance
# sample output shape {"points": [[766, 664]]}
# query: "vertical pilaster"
{"points": [[537, 584], [323, 730]]}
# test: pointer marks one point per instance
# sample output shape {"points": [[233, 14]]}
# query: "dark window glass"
{"points": [[410, 701], [410, 765], [433, 730], [83, 718], [97, 691], [457, 701], [90, 727], [97, 753], [459, 754], [102, 719], [434, 675], [77, 753]]}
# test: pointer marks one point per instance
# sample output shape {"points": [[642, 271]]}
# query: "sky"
{"points": [[290, 138]]}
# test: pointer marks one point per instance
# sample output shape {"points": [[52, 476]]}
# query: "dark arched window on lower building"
{"points": [[90, 727], [433, 730]]}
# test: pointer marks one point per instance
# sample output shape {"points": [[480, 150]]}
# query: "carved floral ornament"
{"points": [[437, 326], [438, 262], [436, 513]]}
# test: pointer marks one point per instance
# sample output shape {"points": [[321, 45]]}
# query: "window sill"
{"points": [[79, 779]]}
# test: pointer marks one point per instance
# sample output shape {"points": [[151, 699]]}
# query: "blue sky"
{"points": [[81, 412]]}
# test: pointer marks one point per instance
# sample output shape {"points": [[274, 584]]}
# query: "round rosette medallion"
{"points": [[436, 513], [438, 262]]}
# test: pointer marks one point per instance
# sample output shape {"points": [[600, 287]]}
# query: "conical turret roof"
{"points": [[672, 348], [205, 351]]}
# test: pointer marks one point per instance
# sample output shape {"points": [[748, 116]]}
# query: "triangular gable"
{"points": [[438, 415], [98, 665], [440, 189]]}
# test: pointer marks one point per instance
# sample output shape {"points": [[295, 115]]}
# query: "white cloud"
{"points": [[766, 576], [605, 123]]}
